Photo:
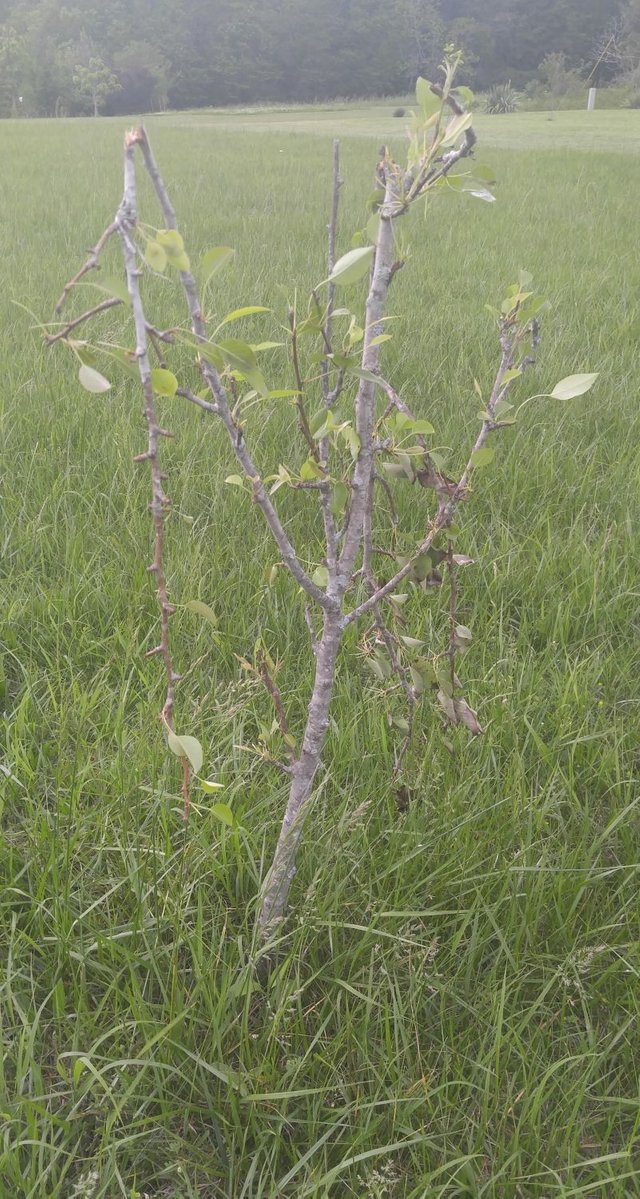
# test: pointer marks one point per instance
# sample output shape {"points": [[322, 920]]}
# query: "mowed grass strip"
{"points": [[456, 1009]]}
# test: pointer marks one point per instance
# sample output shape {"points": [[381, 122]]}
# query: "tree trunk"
{"points": [[283, 868]]}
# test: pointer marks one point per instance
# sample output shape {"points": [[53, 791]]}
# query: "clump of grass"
{"points": [[399, 112], [501, 99]]}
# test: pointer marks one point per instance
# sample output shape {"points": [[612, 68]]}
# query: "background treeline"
{"points": [[137, 55]]}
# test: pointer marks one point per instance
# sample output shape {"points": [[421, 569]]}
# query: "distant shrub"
{"points": [[632, 101], [501, 99], [399, 112]]}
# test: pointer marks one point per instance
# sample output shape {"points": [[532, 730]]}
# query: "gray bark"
{"points": [[280, 877]]}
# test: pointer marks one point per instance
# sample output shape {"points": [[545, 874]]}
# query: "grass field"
{"points": [[456, 1014]]}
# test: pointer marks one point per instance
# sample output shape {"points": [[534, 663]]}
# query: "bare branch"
{"points": [[63, 333], [91, 263], [302, 414], [384, 631], [510, 342], [331, 261], [125, 224], [214, 382], [274, 691], [206, 405]]}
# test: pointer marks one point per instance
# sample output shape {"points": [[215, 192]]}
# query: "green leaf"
{"points": [[572, 386], [217, 258], [310, 470], [210, 787], [377, 341], [235, 480], [502, 407], [267, 345], [240, 357], [509, 376], [237, 354], [532, 307], [113, 287], [374, 201], [482, 457], [426, 99], [422, 426], [92, 380], [456, 126], [126, 358], [352, 266], [238, 313], [422, 567], [164, 382], [187, 747], [339, 499], [212, 354], [352, 439], [484, 173], [181, 262], [223, 812], [417, 679], [481, 193], [395, 470], [446, 702], [464, 94], [319, 419], [202, 609], [361, 372], [86, 354], [372, 228], [320, 576], [171, 241], [155, 256]]}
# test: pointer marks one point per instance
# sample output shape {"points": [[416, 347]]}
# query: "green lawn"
{"points": [[612, 129], [456, 1013]]}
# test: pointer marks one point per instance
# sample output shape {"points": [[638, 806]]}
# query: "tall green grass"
{"points": [[455, 1012]]}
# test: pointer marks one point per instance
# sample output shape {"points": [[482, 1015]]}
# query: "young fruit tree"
{"points": [[356, 441]]}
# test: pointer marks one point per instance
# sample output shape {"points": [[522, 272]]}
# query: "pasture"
{"points": [[456, 1013]]}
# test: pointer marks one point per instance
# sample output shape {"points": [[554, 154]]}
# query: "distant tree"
{"points": [[95, 83], [143, 74], [12, 71], [424, 37], [629, 41], [478, 44], [557, 78]]}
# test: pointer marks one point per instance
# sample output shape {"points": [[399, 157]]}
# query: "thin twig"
{"points": [[91, 263], [63, 333], [453, 617], [215, 383], [125, 224], [274, 691], [510, 342], [206, 405], [372, 586], [331, 261], [302, 414]]}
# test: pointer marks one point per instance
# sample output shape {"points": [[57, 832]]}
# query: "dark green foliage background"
{"points": [[192, 53]]}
